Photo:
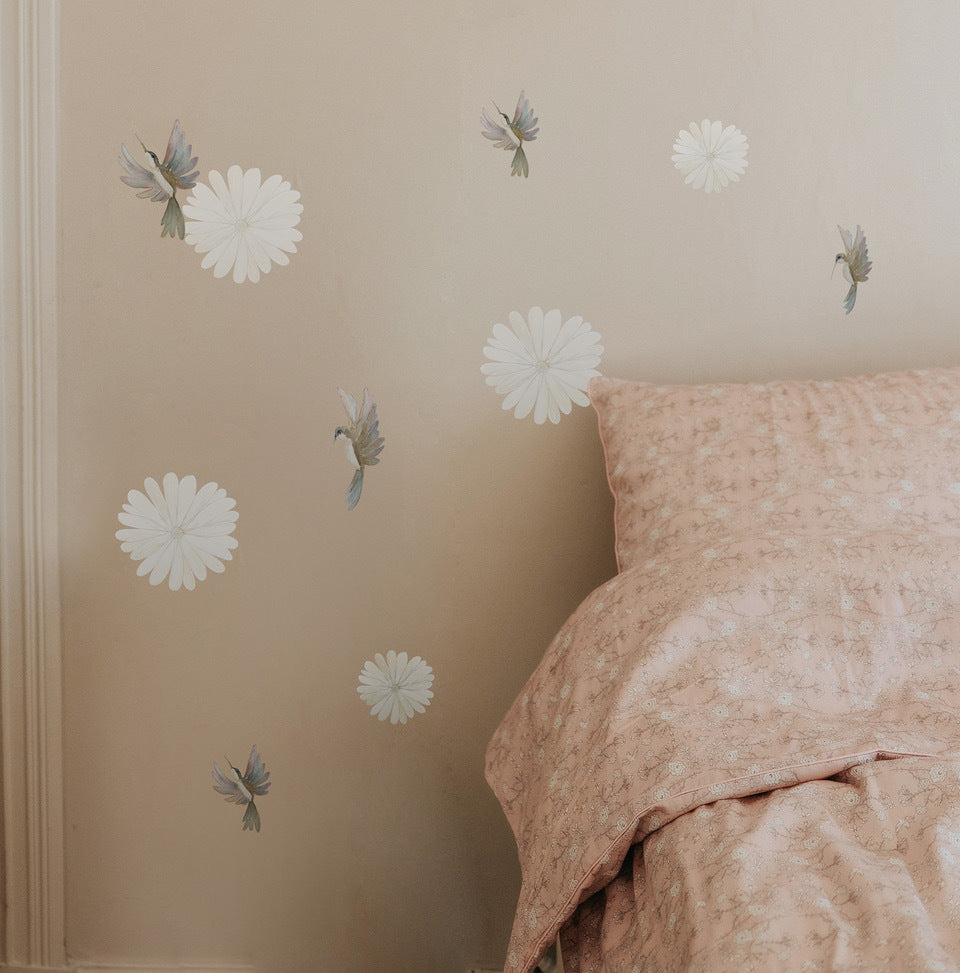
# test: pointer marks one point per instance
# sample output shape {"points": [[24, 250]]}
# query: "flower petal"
{"points": [[243, 226], [177, 532], [543, 364], [710, 155]]}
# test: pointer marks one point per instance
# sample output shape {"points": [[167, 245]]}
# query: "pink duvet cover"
{"points": [[856, 872], [744, 757]]}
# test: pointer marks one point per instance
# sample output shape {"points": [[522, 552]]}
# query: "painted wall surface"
{"points": [[382, 847]]}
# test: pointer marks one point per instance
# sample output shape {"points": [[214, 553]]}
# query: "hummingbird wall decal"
{"points": [[361, 440], [240, 788], [160, 181], [856, 266], [513, 133]]}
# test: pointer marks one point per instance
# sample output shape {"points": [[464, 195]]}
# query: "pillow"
{"points": [[703, 464]]}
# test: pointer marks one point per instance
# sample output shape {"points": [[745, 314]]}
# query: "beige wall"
{"points": [[382, 847]]}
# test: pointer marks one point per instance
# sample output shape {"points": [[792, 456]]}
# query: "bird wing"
{"points": [[368, 443], [498, 134], [349, 404], [229, 788], [847, 241], [524, 120], [256, 776], [857, 257], [178, 161], [141, 178]]}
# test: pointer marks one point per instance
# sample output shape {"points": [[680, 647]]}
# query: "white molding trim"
{"points": [[31, 772]]}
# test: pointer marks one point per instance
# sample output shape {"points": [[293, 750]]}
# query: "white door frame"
{"points": [[32, 884], [32, 893]]}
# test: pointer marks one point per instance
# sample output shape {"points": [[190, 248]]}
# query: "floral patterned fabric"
{"points": [[857, 872], [810, 629], [690, 465]]}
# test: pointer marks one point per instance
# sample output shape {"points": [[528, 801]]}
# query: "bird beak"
{"points": [[140, 140]]}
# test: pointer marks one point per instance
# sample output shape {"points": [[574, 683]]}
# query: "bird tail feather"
{"points": [[251, 818], [519, 166], [172, 221], [356, 486], [851, 297]]}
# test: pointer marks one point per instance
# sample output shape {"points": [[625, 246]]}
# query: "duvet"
{"points": [[745, 755]]}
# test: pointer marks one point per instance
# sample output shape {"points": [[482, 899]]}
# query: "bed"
{"points": [[742, 753]]}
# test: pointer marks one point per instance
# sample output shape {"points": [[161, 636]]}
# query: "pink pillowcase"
{"points": [[699, 466]]}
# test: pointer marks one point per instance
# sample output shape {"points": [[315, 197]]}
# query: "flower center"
{"points": [[177, 532], [241, 225], [543, 366]]}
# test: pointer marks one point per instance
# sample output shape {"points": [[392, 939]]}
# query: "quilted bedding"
{"points": [[743, 752]]}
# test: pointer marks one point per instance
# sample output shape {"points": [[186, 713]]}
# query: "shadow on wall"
{"points": [[538, 540]]}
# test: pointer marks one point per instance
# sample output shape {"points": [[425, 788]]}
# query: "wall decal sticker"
{"points": [[178, 532], [243, 225], [361, 439], [710, 156], [396, 687], [160, 181], [242, 788], [856, 266], [542, 365], [512, 134]]}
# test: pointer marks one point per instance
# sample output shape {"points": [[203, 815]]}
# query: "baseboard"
{"points": [[126, 968], [138, 968], [31, 969]]}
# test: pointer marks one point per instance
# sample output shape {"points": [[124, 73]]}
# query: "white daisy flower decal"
{"points": [[243, 224], [710, 156], [395, 686], [543, 364], [178, 532]]}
